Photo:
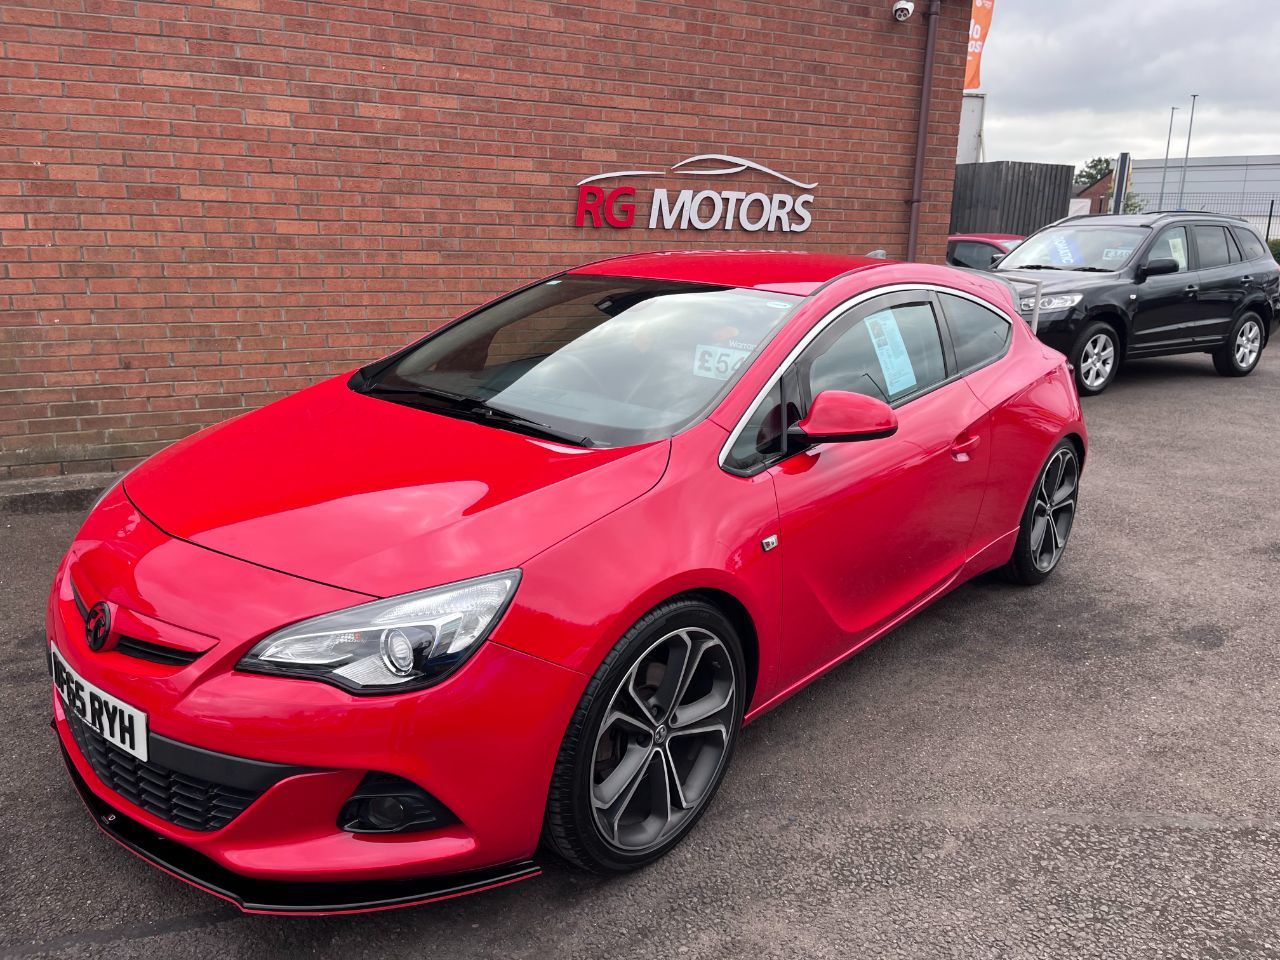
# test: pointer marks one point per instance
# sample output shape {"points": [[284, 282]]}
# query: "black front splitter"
{"points": [[306, 898]]}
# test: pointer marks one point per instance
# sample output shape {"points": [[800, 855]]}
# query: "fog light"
{"points": [[384, 813], [384, 803]]}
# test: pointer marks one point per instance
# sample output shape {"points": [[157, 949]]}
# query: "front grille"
{"points": [[142, 649], [185, 801], [155, 652]]}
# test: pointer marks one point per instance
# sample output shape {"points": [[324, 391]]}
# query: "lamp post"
{"points": [[1165, 171], [1191, 122]]}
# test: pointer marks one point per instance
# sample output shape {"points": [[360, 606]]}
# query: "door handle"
{"points": [[1192, 289], [1246, 279], [963, 446]]}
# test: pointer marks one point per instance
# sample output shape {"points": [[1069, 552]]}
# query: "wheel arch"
{"points": [[1113, 317], [1262, 308], [740, 617]]}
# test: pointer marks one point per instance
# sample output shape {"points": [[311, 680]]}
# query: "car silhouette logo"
{"points": [[97, 626]]}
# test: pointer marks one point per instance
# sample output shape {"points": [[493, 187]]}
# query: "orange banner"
{"points": [[979, 27]]}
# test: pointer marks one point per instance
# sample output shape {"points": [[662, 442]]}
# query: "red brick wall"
{"points": [[204, 205]]}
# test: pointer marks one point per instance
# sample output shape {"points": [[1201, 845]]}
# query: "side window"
{"points": [[761, 437], [1233, 248], [978, 335], [1250, 245], [1172, 245], [1211, 242], [970, 253], [890, 353]]}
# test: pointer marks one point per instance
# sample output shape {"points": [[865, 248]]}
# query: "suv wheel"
{"points": [[1096, 357], [1243, 348]]}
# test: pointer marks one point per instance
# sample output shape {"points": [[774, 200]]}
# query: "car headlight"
{"points": [[401, 643], [1062, 301]]}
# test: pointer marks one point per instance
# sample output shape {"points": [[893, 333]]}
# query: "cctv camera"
{"points": [[903, 9]]}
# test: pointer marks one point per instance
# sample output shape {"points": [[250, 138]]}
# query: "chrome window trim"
{"points": [[829, 318]]}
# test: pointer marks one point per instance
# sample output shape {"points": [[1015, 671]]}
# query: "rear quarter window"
{"points": [[979, 335]]}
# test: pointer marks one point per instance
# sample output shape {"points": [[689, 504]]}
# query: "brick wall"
{"points": [[205, 205]]}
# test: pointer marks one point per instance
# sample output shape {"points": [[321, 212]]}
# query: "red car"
{"points": [[979, 251], [524, 581]]}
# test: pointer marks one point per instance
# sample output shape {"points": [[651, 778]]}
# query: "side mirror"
{"points": [[1158, 267], [837, 416]]}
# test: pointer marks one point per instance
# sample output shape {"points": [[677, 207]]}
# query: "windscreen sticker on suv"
{"points": [[1117, 253], [717, 363], [891, 351], [1064, 251]]}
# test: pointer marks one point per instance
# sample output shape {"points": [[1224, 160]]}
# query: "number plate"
{"points": [[119, 723]]}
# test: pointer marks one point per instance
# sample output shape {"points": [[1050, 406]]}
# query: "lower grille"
{"points": [[185, 801]]}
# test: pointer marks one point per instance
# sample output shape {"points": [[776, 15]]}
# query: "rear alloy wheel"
{"points": [[1096, 358], [1243, 348], [1048, 518], [650, 741]]}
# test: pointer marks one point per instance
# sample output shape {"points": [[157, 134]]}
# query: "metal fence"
{"points": [[1260, 209]]}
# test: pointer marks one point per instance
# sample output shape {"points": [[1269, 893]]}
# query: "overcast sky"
{"points": [[1066, 81]]}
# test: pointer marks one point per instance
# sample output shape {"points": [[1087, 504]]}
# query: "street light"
{"points": [[1187, 156], [1165, 172]]}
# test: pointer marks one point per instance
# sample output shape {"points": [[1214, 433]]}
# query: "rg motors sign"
{"points": [[610, 200]]}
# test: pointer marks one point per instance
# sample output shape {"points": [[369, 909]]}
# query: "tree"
{"points": [[1093, 171]]}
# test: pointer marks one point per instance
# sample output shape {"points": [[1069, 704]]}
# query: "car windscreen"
{"points": [[612, 360], [1076, 247]]}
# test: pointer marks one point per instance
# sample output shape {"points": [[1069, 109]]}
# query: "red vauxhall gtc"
{"points": [[524, 581]]}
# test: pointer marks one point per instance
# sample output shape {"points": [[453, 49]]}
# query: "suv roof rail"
{"points": [[1194, 213]]}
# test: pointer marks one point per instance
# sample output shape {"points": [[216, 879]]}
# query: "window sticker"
{"points": [[1064, 251], [1117, 253], [891, 351], [717, 363], [1178, 250]]}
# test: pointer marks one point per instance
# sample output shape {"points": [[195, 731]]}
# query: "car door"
{"points": [[1221, 291], [1167, 309], [871, 529]]}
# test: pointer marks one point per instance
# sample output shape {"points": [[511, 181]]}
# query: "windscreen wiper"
{"points": [[1092, 270], [479, 411], [1036, 266]]}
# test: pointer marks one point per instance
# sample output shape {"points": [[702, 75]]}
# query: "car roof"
{"points": [[781, 271]]}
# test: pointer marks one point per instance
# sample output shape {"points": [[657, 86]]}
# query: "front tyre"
{"points": [[650, 742], [1238, 356], [1096, 358], [1047, 518]]}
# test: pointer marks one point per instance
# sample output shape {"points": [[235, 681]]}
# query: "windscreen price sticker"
{"points": [[717, 363]]}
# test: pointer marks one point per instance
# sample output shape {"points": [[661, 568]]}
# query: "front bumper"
{"points": [[482, 743], [277, 896]]}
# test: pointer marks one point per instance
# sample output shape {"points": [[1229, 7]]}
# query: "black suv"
{"points": [[1149, 285]]}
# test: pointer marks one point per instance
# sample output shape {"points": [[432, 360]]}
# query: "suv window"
{"points": [[1249, 243], [1211, 242], [971, 253], [978, 334], [891, 353], [1172, 245]]}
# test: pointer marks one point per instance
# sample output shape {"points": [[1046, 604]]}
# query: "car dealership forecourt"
{"points": [[497, 420]]}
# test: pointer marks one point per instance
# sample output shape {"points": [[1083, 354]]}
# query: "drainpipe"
{"points": [[922, 130]]}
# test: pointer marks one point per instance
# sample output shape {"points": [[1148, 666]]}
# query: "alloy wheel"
{"points": [[664, 737], [1054, 510], [1097, 360], [1248, 344]]}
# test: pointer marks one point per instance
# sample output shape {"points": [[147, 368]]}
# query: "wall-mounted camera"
{"points": [[902, 10]]}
